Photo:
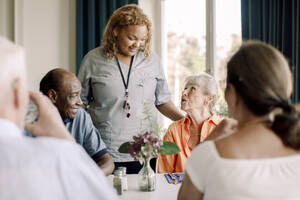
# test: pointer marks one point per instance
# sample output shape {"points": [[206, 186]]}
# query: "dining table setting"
{"points": [[166, 187]]}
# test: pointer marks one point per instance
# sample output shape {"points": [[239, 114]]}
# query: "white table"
{"points": [[164, 190]]}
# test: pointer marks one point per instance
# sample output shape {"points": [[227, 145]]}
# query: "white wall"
{"points": [[155, 11], [152, 10], [6, 18], [46, 28]]}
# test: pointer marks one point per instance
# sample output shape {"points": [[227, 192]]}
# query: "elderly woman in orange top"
{"points": [[198, 101]]}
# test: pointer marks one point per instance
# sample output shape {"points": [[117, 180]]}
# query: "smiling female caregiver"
{"points": [[119, 77]]}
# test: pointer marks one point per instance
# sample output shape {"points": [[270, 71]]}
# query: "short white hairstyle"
{"points": [[207, 84], [12, 66]]}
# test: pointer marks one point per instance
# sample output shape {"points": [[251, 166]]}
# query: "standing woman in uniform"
{"points": [[120, 77]]}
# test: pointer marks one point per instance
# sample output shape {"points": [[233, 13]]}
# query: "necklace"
{"points": [[195, 130], [195, 133], [126, 105]]}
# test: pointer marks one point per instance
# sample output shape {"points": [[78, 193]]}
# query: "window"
{"points": [[228, 40], [190, 52]]}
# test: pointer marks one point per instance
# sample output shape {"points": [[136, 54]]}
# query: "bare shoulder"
{"points": [[253, 143], [228, 147]]}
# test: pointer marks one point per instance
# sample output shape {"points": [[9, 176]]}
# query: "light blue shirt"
{"points": [[103, 91], [85, 134]]}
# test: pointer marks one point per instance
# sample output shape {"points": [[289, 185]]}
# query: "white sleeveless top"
{"points": [[237, 179]]}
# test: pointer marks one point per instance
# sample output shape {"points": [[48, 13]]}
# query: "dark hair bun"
{"points": [[287, 126]]}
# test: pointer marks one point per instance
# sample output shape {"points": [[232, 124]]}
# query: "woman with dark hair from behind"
{"points": [[261, 160]]}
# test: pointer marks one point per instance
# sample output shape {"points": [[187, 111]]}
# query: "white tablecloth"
{"points": [[164, 190]]}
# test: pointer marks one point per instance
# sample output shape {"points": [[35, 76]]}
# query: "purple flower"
{"points": [[145, 145]]}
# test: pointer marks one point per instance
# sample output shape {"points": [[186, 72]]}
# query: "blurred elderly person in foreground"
{"points": [[198, 101], [52, 167], [64, 89], [261, 160]]}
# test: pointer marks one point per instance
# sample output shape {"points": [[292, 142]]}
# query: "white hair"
{"points": [[207, 84], [12, 66]]}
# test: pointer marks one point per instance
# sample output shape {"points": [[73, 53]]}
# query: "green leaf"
{"points": [[169, 148], [124, 147]]}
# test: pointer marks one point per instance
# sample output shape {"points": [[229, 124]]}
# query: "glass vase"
{"points": [[147, 177]]}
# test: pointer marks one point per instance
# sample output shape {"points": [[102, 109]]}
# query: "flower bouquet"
{"points": [[146, 145]]}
